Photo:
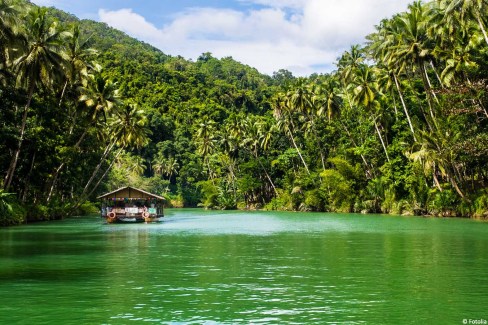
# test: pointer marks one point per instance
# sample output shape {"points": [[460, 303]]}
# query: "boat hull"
{"points": [[138, 219]]}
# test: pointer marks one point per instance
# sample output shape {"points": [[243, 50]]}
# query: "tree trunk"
{"points": [[480, 23], [381, 139], [298, 150], [428, 91], [317, 138], [419, 102], [436, 180], [60, 167], [108, 149], [436, 74], [266, 173], [106, 172], [404, 106], [13, 163], [62, 93], [369, 173], [84, 195], [27, 178]]}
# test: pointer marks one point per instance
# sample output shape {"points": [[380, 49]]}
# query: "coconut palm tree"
{"points": [[256, 136], [349, 62], [283, 113], [435, 152], [9, 34], [41, 64], [381, 47], [79, 54], [469, 9], [101, 95], [414, 46], [367, 95], [128, 129], [206, 139]]}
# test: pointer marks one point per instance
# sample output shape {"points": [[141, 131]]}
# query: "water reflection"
{"points": [[231, 268]]}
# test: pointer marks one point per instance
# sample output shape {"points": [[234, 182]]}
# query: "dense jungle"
{"points": [[400, 126]]}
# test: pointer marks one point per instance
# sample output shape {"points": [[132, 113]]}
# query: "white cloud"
{"points": [[303, 36], [278, 3], [48, 3], [129, 22]]}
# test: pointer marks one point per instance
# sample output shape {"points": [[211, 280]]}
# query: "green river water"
{"points": [[207, 267]]}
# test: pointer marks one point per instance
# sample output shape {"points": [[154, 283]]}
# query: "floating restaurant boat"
{"points": [[130, 204]]}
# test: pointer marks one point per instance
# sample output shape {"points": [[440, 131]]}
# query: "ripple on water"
{"points": [[246, 268]]}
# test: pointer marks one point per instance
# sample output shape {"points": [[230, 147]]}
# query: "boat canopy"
{"points": [[129, 193]]}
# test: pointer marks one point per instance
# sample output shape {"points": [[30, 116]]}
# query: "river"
{"points": [[214, 267]]}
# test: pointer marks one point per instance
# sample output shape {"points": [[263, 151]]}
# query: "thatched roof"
{"points": [[130, 193]]}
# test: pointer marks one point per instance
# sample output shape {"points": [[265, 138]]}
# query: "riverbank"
{"points": [[16, 213], [19, 214]]}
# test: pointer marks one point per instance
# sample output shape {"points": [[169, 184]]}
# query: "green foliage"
{"points": [[401, 126], [11, 212], [88, 208], [443, 203], [283, 202], [338, 191], [210, 194], [481, 205]]}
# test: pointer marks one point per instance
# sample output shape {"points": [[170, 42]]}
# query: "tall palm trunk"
{"points": [[60, 167], [13, 163], [106, 172], [27, 178], [317, 138], [397, 84], [369, 169], [480, 23], [265, 172], [63, 92], [84, 195], [419, 102], [381, 139], [436, 180], [297, 149], [108, 149], [428, 90]]}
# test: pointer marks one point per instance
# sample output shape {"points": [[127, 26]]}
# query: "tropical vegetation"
{"points": [[401, 126]]}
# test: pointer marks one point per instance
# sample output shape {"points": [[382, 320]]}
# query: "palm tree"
{"points": [[326, 98], [413, 46], [381, 47], [41, 64], [205, 138], [349, 62], [101, 96], [366, 94], [9, 36], [435, 152], [469, 9], [283, 113], [172, 167], [256, 135], [79, 54], [128, 129]]}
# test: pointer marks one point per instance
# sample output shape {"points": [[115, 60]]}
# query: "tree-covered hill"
{"points": [[399, 127]]}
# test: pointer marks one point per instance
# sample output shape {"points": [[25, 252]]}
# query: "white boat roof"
{"points": [[130, 193]]}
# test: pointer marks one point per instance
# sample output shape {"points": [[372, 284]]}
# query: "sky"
{"points": [[302, 36]]}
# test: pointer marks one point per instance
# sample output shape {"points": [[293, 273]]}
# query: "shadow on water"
{"points": [[49, 274]]}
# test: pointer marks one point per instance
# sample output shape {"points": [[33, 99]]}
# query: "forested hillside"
{"points": [[400, 127]]}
